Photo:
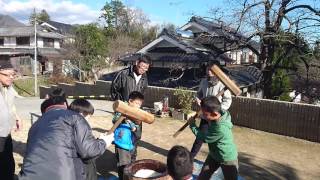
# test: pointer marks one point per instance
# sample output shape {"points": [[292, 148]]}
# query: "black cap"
{"points": [[5, 64]]}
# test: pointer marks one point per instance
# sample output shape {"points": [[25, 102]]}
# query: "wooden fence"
{"points": [[290, 119], [284, 118]]}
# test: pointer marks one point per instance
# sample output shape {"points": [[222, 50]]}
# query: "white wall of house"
{"points": [[242, 56], [245, 55], [238, 56], [9, 41], [32, 41], [57, 44], [40, 42]]}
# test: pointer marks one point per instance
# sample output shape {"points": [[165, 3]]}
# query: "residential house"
{"points": [[179, 58], [223, 39], [68, 31], [17, 43]]}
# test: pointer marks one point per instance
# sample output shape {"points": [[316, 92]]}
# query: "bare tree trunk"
{"points": [[57, 67]]}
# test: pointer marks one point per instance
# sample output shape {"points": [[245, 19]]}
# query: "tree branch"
{"points": [[303, 6]]}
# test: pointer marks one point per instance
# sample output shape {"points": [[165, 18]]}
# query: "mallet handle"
{"points": [[116, 124], [194, 117], [185, 125]]}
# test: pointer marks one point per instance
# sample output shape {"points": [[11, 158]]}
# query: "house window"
{"points": [[251, 58], [244, 57], [23, 41], [48, 42], [1, 42]]}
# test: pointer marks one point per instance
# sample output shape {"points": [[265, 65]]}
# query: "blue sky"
{"points": [[159, 11], [84, 11], [177, 12]]}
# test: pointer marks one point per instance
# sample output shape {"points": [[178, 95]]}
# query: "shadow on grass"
{"points": [[270, 169], [19, 147], [153, 148], [106, 163], [100, 130]]}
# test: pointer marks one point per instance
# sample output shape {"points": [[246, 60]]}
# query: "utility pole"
{"points": [[35, 53]]}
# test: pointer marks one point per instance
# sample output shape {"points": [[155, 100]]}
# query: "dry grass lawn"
{"points": [[261, 155]]}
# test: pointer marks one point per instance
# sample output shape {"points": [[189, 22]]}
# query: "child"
{"points": [[86, 109], [127, 135], [222, 149], [56, 95], [180, 163]]}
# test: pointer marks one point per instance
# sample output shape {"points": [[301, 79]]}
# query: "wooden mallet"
{"points": [[229, 85], [135, 114]]}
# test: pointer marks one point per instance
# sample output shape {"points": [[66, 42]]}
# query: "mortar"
{"points": [[130, 170]]}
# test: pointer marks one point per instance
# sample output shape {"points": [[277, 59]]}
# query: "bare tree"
{"points": [[264, 20], [120, 45]]}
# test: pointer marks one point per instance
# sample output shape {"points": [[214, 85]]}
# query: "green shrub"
{"points": [[185, 99]]}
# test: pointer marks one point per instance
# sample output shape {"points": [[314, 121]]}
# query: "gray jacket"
{"points": [[7, 110], [57, 144], [205, 91]]}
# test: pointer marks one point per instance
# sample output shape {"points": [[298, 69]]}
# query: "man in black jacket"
{"points": [[131, 79], [59, 142]]}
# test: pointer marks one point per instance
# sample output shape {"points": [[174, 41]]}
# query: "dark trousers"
{"points": [[125, 158], [91, 170], [7, 166], [204, 125], [229, 169]]}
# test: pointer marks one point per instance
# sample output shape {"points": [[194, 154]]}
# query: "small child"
{"points": [[222, 149], [180, 163], [127, 135], [86, 109]]}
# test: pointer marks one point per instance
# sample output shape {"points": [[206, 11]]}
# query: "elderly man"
{"points": [[131, 79], [8, 119]]}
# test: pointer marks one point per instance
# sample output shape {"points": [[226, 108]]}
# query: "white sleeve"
{"points": [[226, 99]]}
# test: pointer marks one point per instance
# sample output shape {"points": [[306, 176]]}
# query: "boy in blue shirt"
{"points": [[127, 135]]}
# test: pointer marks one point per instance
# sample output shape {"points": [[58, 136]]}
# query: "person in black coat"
{"points": [[58, 142], [131, 79]]}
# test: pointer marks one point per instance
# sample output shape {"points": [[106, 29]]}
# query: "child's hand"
{"points": [[133, 129], [18, 126], [198, 101]]}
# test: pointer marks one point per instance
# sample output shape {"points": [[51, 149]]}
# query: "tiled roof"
{"points": [[245, 75], [27, 31], [221, 29], [30, 51], [199, 53], [65, 29]]}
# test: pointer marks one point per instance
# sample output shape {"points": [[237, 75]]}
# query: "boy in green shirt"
{"points": [[222, 149]]}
